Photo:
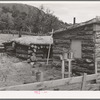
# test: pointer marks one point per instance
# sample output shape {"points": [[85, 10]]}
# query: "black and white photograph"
{"points": [[49, 46]]}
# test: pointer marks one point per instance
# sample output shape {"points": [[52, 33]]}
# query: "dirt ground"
{"points": [[14, 71]]}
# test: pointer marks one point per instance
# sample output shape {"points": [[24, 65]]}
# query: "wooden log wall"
{"points": [[86, 35], [21, 51], [25, 51], [8, 48], [97, 46]]}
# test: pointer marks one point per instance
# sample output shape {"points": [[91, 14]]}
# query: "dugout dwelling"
{"points": [[23, 47]]}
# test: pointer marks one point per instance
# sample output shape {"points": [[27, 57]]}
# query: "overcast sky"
{"points": [[65, 11]]}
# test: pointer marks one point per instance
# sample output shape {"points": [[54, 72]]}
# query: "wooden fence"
{"points": [[72, 83]]}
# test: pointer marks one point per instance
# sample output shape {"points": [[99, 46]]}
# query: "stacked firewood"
{"points": [[37, 52]]}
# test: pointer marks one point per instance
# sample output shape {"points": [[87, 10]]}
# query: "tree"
{"points": [[48, 20], [35, 21], [8, 20], [19, 22], [2, 25], [29, 21], [14, 11], [6, 9]]}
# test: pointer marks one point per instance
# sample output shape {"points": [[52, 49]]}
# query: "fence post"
{"points": [[96, 65], [84, 81], [63, 68], [69, 67]]}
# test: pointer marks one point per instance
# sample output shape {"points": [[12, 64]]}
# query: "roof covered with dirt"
{"points": [[34, 40]]}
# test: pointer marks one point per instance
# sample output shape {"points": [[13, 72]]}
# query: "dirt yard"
{"points": [[14, 71]]}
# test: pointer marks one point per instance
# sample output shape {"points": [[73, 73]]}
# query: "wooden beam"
{"points": [[48, 84]]}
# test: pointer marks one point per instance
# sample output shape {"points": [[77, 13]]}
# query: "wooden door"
{"points": [[76, 48]]}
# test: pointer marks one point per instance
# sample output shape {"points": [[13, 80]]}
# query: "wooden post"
{"points": [[96, 65], [49, 49], [69, 67], [84, 81], [48, 54], [63, 68], [41, 78]]}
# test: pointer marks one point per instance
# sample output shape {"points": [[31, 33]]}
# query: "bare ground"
{"points": [[14, 71]]}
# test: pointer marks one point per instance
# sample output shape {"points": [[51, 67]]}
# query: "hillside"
{"points": [[21, 7], [22, 17]]}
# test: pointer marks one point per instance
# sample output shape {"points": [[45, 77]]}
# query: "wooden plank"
{"points": [[68, 87], [48, 84]]}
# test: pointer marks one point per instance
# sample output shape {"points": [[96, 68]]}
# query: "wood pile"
{"points": [[40, 51]]}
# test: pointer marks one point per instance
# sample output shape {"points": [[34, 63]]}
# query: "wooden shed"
{"points": [[83, 40], [23, 47]]}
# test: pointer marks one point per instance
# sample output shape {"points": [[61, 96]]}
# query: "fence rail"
{"points": [[58, 84]]}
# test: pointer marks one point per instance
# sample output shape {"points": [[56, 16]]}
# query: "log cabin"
{"points": [[83, 40], [23, 47]]}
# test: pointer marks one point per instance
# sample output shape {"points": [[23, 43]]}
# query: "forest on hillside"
{"points": [[21, 17]]}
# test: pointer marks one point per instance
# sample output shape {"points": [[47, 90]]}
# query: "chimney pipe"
{"points": [[74, 20]]}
